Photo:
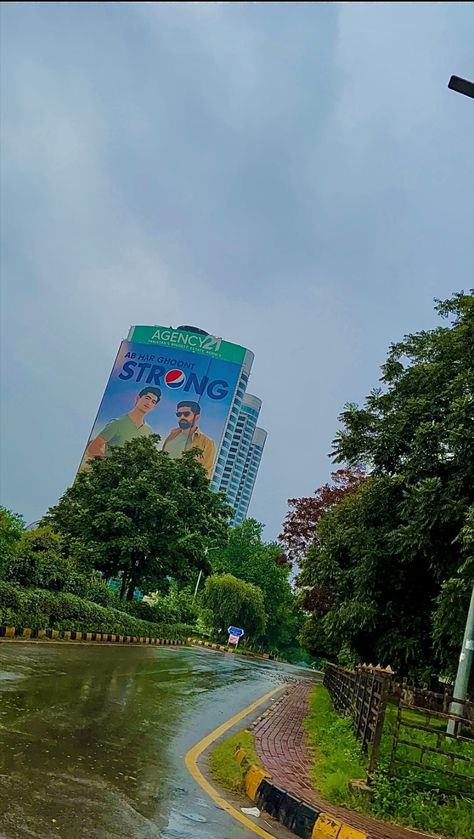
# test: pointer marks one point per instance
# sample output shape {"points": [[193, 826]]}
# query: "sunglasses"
{"points": [[183, 413]]}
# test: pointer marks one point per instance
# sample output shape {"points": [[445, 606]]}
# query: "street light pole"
{"points": [[197, 584], [206, 551], [461, 86], [464, 669], [467, 650]]}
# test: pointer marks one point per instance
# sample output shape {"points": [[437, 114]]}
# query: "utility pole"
{"points": [[464, 669], [206, 551], [466, 655], [197, 584]]}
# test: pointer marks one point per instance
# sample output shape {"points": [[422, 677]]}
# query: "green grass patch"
{"points": [[449, 756], [337, 754], [397, 801], [338, 759], [224, 768]]}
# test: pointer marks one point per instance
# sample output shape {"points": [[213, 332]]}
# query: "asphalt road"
{"points": [[92, 739]]}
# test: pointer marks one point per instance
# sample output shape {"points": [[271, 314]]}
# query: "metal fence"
{"points": [[361, 693]]}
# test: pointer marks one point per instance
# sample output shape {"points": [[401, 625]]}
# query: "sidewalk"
{"points": [[280, 742]]}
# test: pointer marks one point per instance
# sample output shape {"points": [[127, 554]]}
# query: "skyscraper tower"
{"points": [[249, 475], [239, 469], [190, 388]]}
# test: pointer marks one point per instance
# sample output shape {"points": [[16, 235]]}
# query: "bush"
{"points": [[91, 587], [39, 563], [156, 613], [229, 601], [41, 609], [176, 606]]}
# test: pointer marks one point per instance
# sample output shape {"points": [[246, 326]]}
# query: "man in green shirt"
{"points": [[119, 431]]}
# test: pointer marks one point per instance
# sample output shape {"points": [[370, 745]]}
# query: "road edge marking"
{"points": [[196, 751]]}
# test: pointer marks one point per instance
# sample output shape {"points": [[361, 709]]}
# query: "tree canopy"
{"points": [[142, 516], [391, 569], [264, 565], [232, 602], [11, 530], [299, 528]]}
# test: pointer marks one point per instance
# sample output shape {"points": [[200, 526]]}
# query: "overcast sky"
{"points": [[296, 178]]}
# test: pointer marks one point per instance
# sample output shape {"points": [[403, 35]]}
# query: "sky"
{"points": [[296, 178]]}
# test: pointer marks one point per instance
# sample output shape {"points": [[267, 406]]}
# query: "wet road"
{"points": [[92, 739]]}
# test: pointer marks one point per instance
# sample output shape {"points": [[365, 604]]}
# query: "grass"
{"points": [[223, 766], [338, 760], [436, 763]]}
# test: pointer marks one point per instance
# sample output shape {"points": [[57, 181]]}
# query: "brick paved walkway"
{"points": [[280, 742]]}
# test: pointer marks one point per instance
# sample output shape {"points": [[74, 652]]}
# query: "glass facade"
{"points": [[249, 475], [238, 464]]}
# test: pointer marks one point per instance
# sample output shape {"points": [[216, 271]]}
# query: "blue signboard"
{"points": [[234, 630]]}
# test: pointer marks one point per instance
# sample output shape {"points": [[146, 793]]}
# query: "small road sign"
{"points": [[234, 630]]}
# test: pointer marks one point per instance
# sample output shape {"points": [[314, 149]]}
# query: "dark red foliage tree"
{"points": [[299, 528]]}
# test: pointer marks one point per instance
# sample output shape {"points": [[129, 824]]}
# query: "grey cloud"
{"points": [[294, 177]]}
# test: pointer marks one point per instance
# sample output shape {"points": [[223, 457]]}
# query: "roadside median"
{"points": [[17, 635], [274, 769]]}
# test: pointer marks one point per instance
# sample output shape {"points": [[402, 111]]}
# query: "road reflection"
{"points": [[93, 738]]}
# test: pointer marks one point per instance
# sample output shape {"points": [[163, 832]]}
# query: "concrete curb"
{"points": [[27, 634], [258, 656], [218, 647], [303, 819]]}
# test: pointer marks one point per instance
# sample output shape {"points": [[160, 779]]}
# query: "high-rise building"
{"points": [[236, 473], [190, 388], [249, 475]]}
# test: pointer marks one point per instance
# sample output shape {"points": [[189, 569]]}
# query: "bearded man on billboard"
{"points": [[188, 436]]}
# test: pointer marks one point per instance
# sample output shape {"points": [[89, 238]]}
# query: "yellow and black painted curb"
{"points": [[26, 633], [301, 818], [199, 643]]}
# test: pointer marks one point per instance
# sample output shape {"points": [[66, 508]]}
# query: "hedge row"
{"points": [[42, 609]]}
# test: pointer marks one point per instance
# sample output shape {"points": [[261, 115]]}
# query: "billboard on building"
{"points": [[194, 342], [171, 387]]}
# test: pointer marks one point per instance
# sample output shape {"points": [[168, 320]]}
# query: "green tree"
{"points": [[299, 527], [419, 424], [176, 606], [11, 530], [388, 573], [368, 604], [248, 558], [39, 561], [232, 602], [451, 605], [143, 516]]}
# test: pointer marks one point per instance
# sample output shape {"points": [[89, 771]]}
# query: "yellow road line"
{"points": [[192, 756]]}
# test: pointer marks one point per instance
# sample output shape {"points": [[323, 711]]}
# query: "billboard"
{"points": [[197, 343], [183, 396]]}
